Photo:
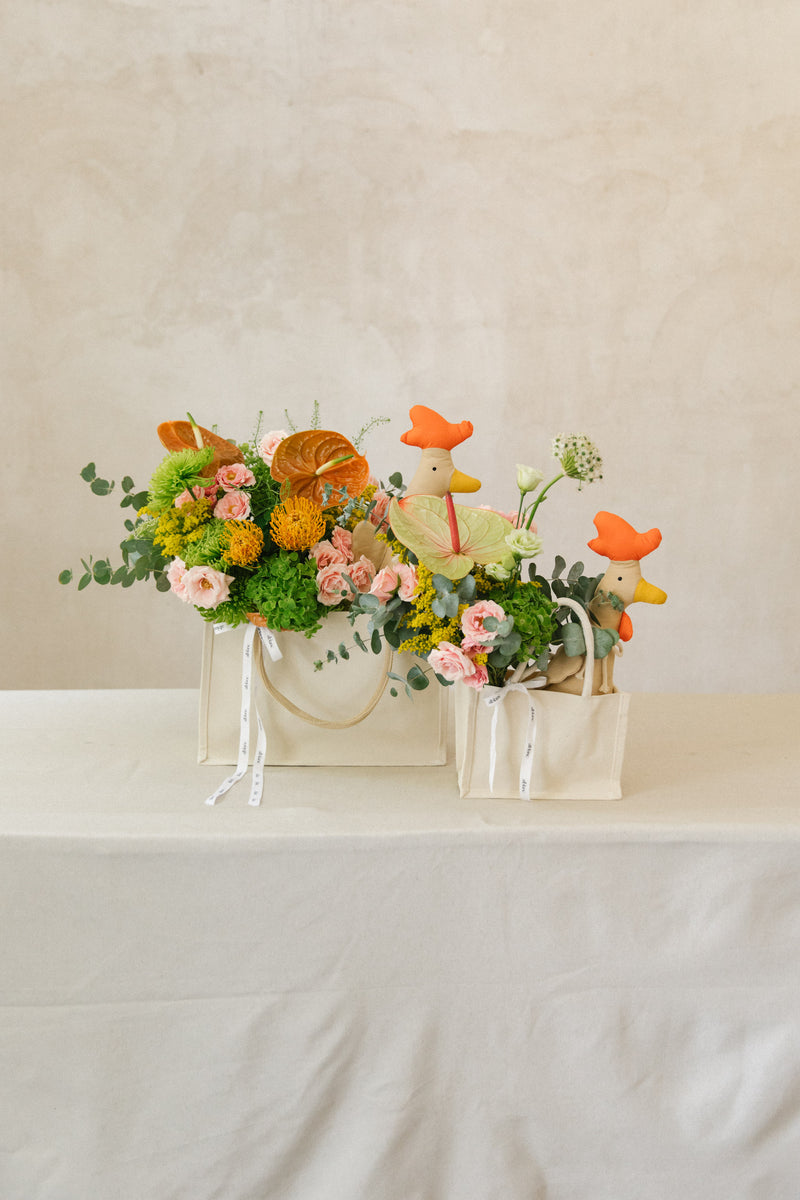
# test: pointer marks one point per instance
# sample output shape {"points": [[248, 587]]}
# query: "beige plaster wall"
{"points": [[544, 216]]}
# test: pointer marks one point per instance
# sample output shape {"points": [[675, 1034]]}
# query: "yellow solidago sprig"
{"points": [[297, 523], [179, 527], [431, 629], [241, 543]]}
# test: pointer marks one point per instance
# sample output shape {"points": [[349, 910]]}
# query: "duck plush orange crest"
{"points": [[436, 473]]}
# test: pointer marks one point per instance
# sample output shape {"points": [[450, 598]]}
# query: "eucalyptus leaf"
{"points": [[127, 484], [604, 641], [330, 656], [65, 577], [466, 589], [343, 651], [396, 480], [89, 472], [575, 572], [417, 679], [369, 603], [101, 487], [442, 585], [558, 566], [359, 641], [84, 581], [162, 583], [573, 640], [375, 642]]}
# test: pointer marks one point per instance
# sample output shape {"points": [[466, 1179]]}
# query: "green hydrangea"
{"points": [[284, 591]]}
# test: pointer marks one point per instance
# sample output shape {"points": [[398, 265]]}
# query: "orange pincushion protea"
{"points": [[297, 523], [315, 457]]}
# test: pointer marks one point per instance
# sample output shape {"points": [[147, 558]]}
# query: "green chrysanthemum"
{"points": [[178, 472]]}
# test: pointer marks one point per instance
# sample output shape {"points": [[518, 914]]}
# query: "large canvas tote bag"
{"points": [[539, 744], [342, 715]]}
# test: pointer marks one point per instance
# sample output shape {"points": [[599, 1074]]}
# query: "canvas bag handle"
{"points": [[319, 722], [588, 637]]}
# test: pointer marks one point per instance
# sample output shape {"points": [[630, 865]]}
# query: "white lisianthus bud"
{"points": [[498, 571], [579, 457], [523, 543], [528, 478]]}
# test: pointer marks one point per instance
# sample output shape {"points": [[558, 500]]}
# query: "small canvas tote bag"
{"points": [[342, 715], [522, 741]]}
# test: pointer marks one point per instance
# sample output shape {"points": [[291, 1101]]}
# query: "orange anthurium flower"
{"points": [[180, 435], [314, 457]]}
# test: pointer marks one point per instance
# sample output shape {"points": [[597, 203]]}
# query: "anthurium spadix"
{"points": [[449, 538]]}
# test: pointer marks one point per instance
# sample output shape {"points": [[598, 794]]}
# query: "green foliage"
{"points": [[178, 472], [358, 440], [284, 591], [583, 589]]}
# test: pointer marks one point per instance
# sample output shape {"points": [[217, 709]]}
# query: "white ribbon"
{"points": [[257, 785], [493, 698]]}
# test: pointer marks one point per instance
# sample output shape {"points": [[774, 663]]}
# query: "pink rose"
{"points": [[473, 619], [197, 493], [479, 677], [331, 586], [325, 555], [362, 573], [408, 581], [234, 506], [235, 475], [385, 584], [509, 516], [449, 662], [269, 444], [342, 540], [382, 501], [175, 574], [205, 587]]}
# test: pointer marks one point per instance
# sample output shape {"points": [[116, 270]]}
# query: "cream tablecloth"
{"points": [[369, 989]]}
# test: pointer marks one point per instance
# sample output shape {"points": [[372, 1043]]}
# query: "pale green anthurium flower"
{"points": [[498, 571], [528, 478], [579, 457], [523, 543]]}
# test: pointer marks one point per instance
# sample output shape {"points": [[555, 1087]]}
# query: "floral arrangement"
{"points": [[290, 526]]}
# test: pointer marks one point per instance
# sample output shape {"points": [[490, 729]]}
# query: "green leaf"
{"points": [[396, 480], [573, 640], [129, 580], [558, 566], [129, 525], [359, 641], [369, 603], [391, 635], [575, 572], [318, 665], [490, 624], [127, 484], [442, 585], [102, 571], [101, 487], [417, 679], [162, 583], [393, 691], [330, 657], [604, 641], [375, 642], [343, 651], [65, 577], [85, 580], [466, 589], [142, 569], [89, 472]]}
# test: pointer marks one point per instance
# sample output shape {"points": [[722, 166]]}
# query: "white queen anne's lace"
{"points": [[579, 457]]}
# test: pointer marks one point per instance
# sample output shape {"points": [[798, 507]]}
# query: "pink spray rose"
{"points": [[234, 506], [235, 475], [473, 619], [385, 584], [362, 573], [449, 662], [331, 586], [197, 493], [175, 574], [479, 677], [205, 587], [408, 581], [325, 555], [269, 444], [342, 540], [382, 501], [509, 516]]}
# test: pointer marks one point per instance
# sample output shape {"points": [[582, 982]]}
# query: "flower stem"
{"points": [[541, 497]]}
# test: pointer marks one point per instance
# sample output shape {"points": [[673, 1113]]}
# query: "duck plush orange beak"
{"points": [[437, 474]]}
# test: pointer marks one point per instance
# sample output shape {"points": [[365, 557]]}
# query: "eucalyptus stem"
{"points": [[541, 497]]}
